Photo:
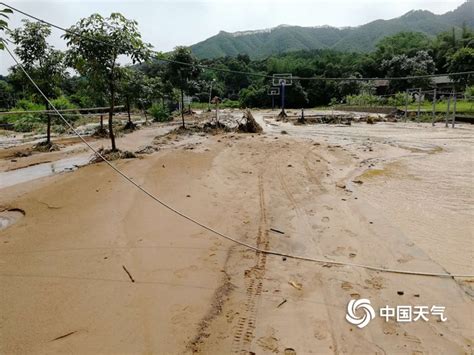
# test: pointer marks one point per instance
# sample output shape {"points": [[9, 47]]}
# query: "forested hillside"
{"points": [[283, 39]]}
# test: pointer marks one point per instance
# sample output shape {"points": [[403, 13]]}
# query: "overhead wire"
{"points": [[211, 229], [159, 56]]}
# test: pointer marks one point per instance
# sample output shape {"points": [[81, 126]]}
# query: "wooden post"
{"points": [[447, 111], [434, 108], [454, 110], [406, 104], [419, 106]]}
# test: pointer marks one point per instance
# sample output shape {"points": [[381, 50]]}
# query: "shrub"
{"points": [[469, 91], [397, 100], [160, 113], [227, 103], [28, 105], [363, 100], [27, 123]]}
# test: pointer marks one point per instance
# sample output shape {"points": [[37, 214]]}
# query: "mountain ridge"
{"points": [[262, 43]]}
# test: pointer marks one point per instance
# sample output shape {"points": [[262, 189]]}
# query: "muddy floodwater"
{"points": [[21, 175]]}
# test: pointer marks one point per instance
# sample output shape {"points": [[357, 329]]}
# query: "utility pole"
{"points": [[434, 108], [210, 94]]}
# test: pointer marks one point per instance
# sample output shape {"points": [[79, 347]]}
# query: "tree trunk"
{"points": [[48, 130], [101, 122], [128, 110], [48, 125], [182, 106], [111, 115]]}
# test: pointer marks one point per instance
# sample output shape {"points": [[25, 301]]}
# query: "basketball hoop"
{"points": [[273, 91], [282, 80]]}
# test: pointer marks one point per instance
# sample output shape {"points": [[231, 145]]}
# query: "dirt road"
{"points": [[388, 195]]}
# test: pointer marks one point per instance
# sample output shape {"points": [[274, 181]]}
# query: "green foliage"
{"points": [[95, 52], [403, 43], [254, 97], [63, 103], [397, 100], [402, 65], [287, 39], [364, 99], [3, 24], [28, 105], [461, 61], [28, 123], [181, 76], [469, 91], [227, 103], [44, 63], [160, 113]]}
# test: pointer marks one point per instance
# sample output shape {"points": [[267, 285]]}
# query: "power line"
{"points": [[65, 110], [212, 230], [159, 56]]}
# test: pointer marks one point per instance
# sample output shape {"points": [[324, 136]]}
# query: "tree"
{"points": [[95, 43], [181, 71], [401, 65], [408, 43], [461, 61], [132, 89], [43, 63], [3, 24]]}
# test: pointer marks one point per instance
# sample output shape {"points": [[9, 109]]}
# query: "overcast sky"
{"points": [[168, 23]]}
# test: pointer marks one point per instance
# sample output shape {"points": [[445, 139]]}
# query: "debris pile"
{"points": [[250, 125], [110, 155], [46, 147]]}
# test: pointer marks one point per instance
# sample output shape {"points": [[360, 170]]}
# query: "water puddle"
{"points": [[14, 177], [9, 217]]}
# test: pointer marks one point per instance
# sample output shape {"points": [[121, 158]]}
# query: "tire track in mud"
{"points": [[244, 333], [312, 177], [301, 214]]}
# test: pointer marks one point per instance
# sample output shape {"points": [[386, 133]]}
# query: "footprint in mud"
{"points": [[346, 286], [268, 343], [181, 315], [328, 208], [339, 251], [389, 328], [184, 271], [405, 259], [321, 330], [349, 233], [230, 316], [375, 282], [325, 219]]}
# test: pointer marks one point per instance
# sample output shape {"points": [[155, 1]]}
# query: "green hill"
{"points": [[282, 39]]}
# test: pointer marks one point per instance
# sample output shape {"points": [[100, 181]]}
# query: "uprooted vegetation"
{"points": [[111, 155], [226, 123], [45, 147]]}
